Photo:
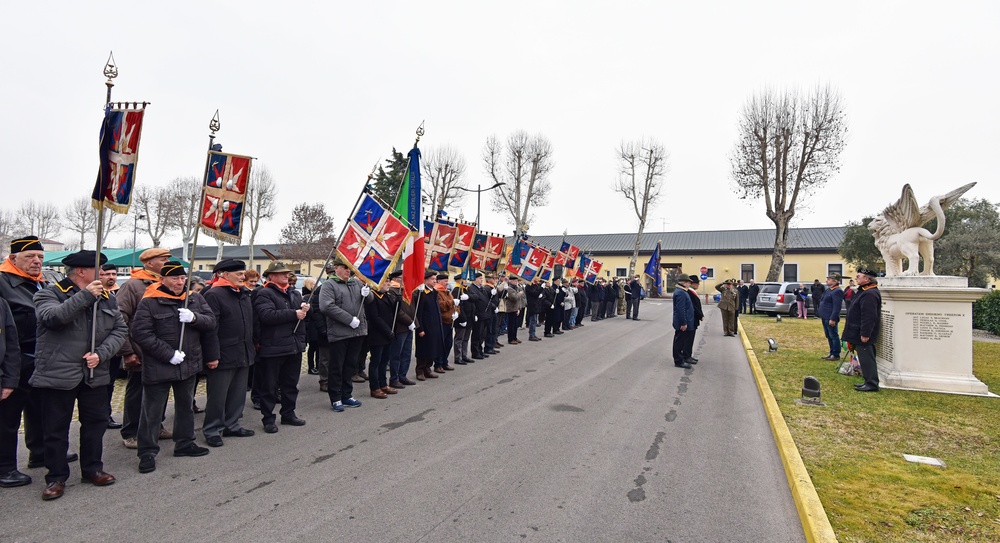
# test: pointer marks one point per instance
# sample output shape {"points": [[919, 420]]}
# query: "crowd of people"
{"points": [[66, 342]]}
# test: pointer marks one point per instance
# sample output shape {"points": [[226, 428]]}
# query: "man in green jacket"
{"points": [[728, 304]]}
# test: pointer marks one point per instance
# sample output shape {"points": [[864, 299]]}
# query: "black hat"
{"points": [[82, 259], [109, 267], [869, 272], [396, 274], [172, 268], [26, 243], [479, 274], [442, 276], [458, 277], [694, 279], [229, 265], [428, 274]]}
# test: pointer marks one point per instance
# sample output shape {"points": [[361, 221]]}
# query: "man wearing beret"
{"points": [[278, 308], [683, 321], [20, 278], [128, 297], [226, 381], [429, 339], [864, 321], [699, 315], [341, 300], [175, 331], [401, 348], [462, 324], [727, 305], [68, 372]]}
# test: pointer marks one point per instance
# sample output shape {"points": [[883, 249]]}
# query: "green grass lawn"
{"points": [[853, 447]]}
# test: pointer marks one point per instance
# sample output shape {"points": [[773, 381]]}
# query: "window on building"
{"points": [[258, 268], [710, 273], [746, 272], [791, 273], [201, 267], [621, 272], [835, 269]]}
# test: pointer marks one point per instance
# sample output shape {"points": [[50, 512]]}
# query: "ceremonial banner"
{"points": [[653, 270], [408, 207], [486, 252], [588, 269], [567, 255], [439, 245], [530, 263], [464, 234], [547, 265], [224, 196], [373, 242], [119, 150]]}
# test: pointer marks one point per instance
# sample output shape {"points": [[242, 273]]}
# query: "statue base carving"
{"points": [[926, 337]]}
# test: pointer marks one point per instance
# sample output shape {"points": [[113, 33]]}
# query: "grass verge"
{"points": [[853, 447]]}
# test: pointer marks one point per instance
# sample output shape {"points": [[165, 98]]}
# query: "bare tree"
{"points": [[187, 197], [789, 144], [308, 236], [79, 218], [523, 165], [444, 177], [641, 167], [159, 206], [259, 206], [38, 218], [8, 225]]}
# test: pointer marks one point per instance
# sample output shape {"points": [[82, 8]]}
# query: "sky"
{"points": [[320, 91]]}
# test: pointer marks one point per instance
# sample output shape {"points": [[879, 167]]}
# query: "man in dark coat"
{"points": [[429, 339], [317, 337], [463, 333], [699, 315], [828, 312], [226, 380], [401, 348], [479, 299], [743, 291], [816, 290], [683, 321], [753, 291], [278, 308], [582, 301], [534, 300], [633, 295], [449, 314], [598, 300], [864, 321], [176, 341], [68, 373], [380, 312], [611, 297]]}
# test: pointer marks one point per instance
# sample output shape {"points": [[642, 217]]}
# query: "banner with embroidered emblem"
{"points": [[486, 252], [119, 152], [547, 265], [373, 242], [464, 235], [567, 255], [531, 260], [439, 245], [224, 196], [588, 269]]}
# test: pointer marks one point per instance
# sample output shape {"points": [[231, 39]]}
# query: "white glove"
{"points": [[412, 327], [462, 324], [504, 286], [497, 310], [454, 316], [185, 315], [365, 291], [464, 297], [553, 306], [458, 303], [177, 358], [493, 291], [540, 296], [475, 318], [355, 322]]}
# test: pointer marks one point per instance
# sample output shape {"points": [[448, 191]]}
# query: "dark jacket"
{"points": [[379, 312], [753, 291], [683, 309], [404, 312], [699, 315], [549, 299], [864, 318], [275, 311], [464, 307], [156, 329], [65, 320], [744, 292], [534, 303], [234, 316], [316, 325], [479, 298], [582, 299], [634, 290], [830, 304], [10, 351], [817, 293], [431, 345], [128, 297], [19, 293]]}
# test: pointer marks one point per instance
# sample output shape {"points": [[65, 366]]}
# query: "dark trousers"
{"points": [[728, 321], [344, 355], [612, 307], [597, 311], [753, 304], [280, 373], [869, 367], [400, 353], [461, 342], [689, 342], [448, 341], [513, 322], [378, 365], [256, 381], [22, 400], [743, 304], [477, 336], [553, 317], [632, 307], [832, 337], [93, 403], [227, 396], [154, 401], [489, 333], [311, 356], [116, 366], [132, 410], [680, 343]]}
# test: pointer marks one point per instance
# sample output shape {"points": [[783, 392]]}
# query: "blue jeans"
{"points": [[833, 336], [532, 324], [401, 350], [572, 316]]}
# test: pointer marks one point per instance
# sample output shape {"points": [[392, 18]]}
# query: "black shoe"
{"points": [[684, 365], [313, 371], [466, 359], [214, 441], [293, 421], [14, 478], [256, 405], [490, 352], [549, 335], [635, 319], [191, 450], [462, 363], [242, 432], [271, 428], [690, 360], [196, 409], [558, 332], [866, 388], [476, 357], [147, 463], [113, 424]]}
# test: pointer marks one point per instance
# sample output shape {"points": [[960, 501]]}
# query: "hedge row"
{"points": [[986, 313]]}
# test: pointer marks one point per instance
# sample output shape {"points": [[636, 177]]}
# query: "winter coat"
{"points": [[447, 305], [516, 299], [156, 329], [817, 291], [431, 345], [464, 307], [683, 309], [635, 290], [864, 318], [340, 302], [65, 318], [830, 304], [727, 300], [581, 298], [19, 293], [10, 350], [753, 291], [316, 325], [379, 313], [276, 312], [234, 316], [533, 304], [569, 298], [128, 297], [404, 311], [480, 296], [699, 315]]}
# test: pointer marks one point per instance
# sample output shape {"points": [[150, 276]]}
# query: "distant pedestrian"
{"points": [[828, 313]]}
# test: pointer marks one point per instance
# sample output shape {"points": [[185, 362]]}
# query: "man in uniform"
{"points": [[554, 301], [128, 297], [864, 321], [401, 348], [341, 300], [462, 332], [727, 305], [226, 381], [513, 305], [683, 321], [699, 316], [598, 298], [176, 341], [69, 374], [479, 299], [449, 314], [633, 297], [488, 318], [429, 333], [534, 301], [279, 308]]}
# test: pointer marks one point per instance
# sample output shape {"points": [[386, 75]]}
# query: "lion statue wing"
{"points": [[905, 213], [927, 213]]}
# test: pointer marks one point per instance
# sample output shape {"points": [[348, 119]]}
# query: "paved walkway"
{"points": [[591, 436]]}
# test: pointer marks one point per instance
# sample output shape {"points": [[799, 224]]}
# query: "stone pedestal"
{"points": [[926, 338]]}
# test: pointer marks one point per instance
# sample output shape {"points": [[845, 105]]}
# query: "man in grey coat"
{"points": [[68, 372], [341, 301]]}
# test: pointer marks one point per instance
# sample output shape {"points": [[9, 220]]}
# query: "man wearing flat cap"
{"points": [[175, 331], [341, 300], [128, 297], [20, 278], [728, 305], [479, 301], [683, 320], [226, 381], [828, 312], [279, 308], [699, 315], [463, 322], [428, 337], [401, 348], [864, 321], [69, 372]]}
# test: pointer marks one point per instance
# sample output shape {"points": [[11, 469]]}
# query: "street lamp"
{"points": [[135, 228], [479, 195]]}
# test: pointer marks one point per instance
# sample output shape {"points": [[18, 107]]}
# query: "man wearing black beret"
{"points": [[864, 321], [68, 372]]}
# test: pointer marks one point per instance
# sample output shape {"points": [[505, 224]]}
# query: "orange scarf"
{"points": [[154, 291], [442, 288], [145, 275], [221, 282], [283, 290], [9, 267]]}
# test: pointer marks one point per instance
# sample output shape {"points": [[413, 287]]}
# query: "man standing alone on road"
{"points": [[683, 320], [864, 320], [828, 313]]}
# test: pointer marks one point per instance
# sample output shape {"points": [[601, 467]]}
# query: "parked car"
{"points": [[778, 299]]}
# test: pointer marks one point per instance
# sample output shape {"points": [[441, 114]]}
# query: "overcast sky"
{"points": [[319, 91]]}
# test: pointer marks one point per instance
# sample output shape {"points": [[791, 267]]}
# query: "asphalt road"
{"points": [[591, 436]]}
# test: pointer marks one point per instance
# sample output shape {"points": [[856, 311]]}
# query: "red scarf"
{"points": [[9, 267]]}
